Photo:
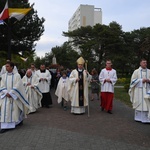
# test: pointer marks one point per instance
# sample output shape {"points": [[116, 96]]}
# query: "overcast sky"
{"points": [[130, 14]]}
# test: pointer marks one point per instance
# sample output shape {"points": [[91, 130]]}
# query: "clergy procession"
{"points": [[23, 95]]}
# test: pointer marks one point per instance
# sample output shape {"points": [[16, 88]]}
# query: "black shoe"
{"points": [[109, 112], [65, 108], [47, 106], [2, 131]]}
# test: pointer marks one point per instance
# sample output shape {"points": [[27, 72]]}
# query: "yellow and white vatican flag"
{"points": [[24, 59], [18, 13]]}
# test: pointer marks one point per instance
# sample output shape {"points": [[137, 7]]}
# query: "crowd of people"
{"points": [[22, 93]]}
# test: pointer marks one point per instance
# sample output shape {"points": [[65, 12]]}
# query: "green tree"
{"points": [[38, 61], [23, 33], [101, 42], [65, 55], [137, 44], [97, 43]]}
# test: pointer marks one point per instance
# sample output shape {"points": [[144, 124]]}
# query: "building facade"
{"points": [[85, 15]]}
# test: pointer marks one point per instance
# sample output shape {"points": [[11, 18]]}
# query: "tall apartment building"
{"points": [[85, 15]]}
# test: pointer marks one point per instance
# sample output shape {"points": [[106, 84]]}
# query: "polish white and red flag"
{"points": [[17, 13], [5, 13]]}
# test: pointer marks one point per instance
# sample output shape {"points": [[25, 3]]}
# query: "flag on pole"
{"points": [[4, 14], [18, 13], [24, 59]]}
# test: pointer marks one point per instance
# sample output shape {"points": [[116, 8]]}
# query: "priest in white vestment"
{"points": [[33, 68], [3, 69], [78, 88], [13, 101], [139, 88], [44, 78], [34, 95]]}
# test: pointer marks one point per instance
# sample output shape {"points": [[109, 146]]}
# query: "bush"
{"points": [[126, 87], [123, 81]]}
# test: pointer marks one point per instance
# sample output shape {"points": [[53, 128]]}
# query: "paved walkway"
{"points": [[56, 129]]}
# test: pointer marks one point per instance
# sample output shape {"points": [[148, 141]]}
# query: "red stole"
{"points": [[109, 69]]}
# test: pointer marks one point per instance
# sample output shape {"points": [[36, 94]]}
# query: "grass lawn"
{"points": [[122, 95]]}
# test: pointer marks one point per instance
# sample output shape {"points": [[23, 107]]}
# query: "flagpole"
{"points": [[9, 34], [9, 40], [88, 98]]}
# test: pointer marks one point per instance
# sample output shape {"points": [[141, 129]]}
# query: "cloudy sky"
{"points": [[130, 14]]}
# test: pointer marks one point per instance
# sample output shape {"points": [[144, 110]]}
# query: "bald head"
{"points": [[29, 73]]}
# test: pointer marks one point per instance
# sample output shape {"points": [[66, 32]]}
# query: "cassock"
{"points": [[107, 88], [78, 91], [14, 109], [34, 95], [44, 86], [138, 90]]}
